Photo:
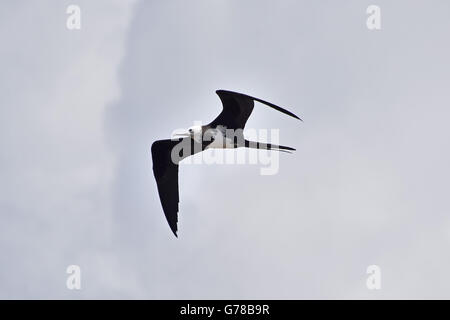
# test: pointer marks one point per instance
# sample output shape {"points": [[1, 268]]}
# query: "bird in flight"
{"points": [[226, 131]]}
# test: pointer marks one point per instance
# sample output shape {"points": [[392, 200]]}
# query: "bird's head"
{"points": [[194, 132]]}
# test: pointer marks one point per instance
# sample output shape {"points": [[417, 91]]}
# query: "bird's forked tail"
{"points": [[267, 146]]}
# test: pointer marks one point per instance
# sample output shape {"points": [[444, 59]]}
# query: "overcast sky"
{"points": [[79, 110]]}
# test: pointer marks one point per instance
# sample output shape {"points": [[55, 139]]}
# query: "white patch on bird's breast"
{"points": [[219, 139]]}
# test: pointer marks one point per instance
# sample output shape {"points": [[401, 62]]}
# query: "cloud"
{"points": [[55, 166], [366, 186], [350, 197]]}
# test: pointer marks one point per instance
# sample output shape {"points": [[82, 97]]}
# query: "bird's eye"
{"points": [[190, 130]]}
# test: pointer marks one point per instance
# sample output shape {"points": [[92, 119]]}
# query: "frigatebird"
{"points": [[237, 108]]}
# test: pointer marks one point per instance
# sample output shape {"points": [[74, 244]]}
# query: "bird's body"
{"points": [[220, 140], [226, 131], [219, 137]]}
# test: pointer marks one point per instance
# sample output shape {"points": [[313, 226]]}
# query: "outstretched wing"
{"points": [[237, 108], [165, 169]]}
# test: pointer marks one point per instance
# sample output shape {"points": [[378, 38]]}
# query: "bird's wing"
{"points": [[237, 108], [165, 169]]}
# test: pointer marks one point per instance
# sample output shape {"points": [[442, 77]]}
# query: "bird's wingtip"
{"points": [[296, 117]]}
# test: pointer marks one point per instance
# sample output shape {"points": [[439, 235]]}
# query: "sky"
{"points": [[368, 184]]}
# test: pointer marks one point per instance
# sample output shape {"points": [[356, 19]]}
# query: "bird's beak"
{"points": [[184, 134]]}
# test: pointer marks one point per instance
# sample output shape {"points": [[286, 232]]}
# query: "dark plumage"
{"points": [[237, 108]]}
